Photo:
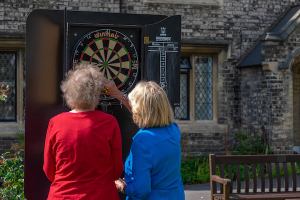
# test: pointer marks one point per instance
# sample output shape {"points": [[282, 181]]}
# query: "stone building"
{"points": [[240, 66]]}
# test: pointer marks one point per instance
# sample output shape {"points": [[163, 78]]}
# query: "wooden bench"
{"points": [[265, 163]]}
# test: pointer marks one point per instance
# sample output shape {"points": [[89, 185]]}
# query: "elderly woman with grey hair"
{"points": [[83, 147]]}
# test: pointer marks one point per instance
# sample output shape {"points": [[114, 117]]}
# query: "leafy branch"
{"points": [[3, 91], [12, 172]]}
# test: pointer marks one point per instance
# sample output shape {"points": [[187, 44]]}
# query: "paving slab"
{"points": [[197, 192]]}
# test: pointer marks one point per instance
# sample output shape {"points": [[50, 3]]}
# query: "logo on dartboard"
{"points": [[114, 54]]}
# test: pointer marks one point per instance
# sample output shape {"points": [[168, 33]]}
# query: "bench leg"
{"points": [[226, 191]]}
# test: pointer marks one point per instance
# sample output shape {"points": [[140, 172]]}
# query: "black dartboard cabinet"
{"points": [[127, 48]]}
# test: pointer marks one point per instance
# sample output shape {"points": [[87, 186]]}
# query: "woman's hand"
{"points": [[120, 185], [112, 90]]}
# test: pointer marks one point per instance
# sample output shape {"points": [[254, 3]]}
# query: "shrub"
{"points": [[12, 172], [195, 171]]}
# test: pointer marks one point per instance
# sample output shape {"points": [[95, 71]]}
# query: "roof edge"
{"points": [[261, 38], [257, 65]]}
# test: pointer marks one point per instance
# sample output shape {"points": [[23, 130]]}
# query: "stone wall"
{"points": [[13, 13], [199, 143], [296, 104], [238, 21], [229, 90], [267, 105], [5, 144], [241, 22], [274, 51]]}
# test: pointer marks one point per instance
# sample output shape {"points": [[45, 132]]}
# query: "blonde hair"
{"points": [[82, 87], [150, 105]]}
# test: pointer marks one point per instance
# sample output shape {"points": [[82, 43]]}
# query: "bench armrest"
{"points": [[226, 186], [218, 179]]}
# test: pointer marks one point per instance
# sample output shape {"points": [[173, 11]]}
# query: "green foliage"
{"points": [[195, 171], [3, 91], [250, 145], [20, 133], [12, 172]]}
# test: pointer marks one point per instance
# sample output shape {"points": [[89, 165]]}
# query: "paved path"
{"points": [[197, 192], [202, 191]]}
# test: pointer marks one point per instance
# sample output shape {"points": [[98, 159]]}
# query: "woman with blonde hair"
{"points": [[152, 169], [83, 147]]}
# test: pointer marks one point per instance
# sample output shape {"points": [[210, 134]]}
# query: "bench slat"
{"points": [[298, 168], [238, 178], [294, 177], [261, 196], [212, 166], [270, 177], [254, 180], [243, 159], [265, 163], [262, 177], [278, 177], [286, 177], [222, 176], [230, 176], [246, 178]]}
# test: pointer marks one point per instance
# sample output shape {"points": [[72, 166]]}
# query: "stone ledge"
{"points": [[192, 2], [296, 149], [270, 66], [12, 42], [6, 128], [201, 126]]}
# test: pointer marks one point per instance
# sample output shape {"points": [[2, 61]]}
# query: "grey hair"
{"points": [[82, 87]]}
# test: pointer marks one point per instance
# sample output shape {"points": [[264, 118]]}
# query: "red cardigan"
{"points": [[83, 156]]}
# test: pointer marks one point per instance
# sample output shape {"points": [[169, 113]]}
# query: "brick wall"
{"points": [[13, 13], [229, 82], [266, 103], [196, 144], [296, 104], [5, 144], [273, 51], [239, 21]]}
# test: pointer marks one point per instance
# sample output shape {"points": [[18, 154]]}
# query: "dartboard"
{"points": [[114, 54]]}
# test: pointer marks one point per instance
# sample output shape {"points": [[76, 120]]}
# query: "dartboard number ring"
{"points": [[114, 54]]}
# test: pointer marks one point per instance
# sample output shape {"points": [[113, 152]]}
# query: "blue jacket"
{"points": [[152, 169]]}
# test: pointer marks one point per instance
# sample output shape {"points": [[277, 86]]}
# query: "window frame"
{"points": [[221, 50], [15, 44], [16, 88], [187, 72], [191, 88], [214, 87]]}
